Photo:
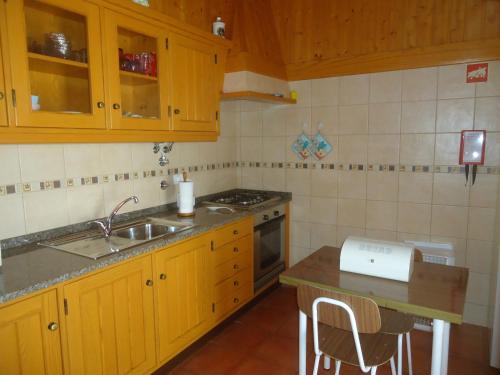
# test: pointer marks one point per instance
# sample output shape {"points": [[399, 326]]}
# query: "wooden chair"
{"points": [[346, 328], [400, 324]]}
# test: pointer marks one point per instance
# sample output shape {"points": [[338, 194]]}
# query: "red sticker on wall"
{"points": [[477, 73]]}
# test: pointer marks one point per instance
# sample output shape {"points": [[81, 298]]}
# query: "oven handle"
{"points": [[274, 219]]}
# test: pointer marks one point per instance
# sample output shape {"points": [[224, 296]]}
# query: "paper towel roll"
{"points": [[186, 197]]}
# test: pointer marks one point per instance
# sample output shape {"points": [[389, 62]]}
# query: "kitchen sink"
{"points": [[148, 231], [92, 244]]}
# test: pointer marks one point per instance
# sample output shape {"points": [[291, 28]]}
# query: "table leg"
{"points": [[446, 346], [302, 343], [437, 346]]}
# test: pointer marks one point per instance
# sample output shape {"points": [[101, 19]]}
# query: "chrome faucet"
{"points": [[106, 225]]}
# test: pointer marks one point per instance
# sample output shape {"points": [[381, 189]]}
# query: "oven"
{"points": [[269, 245]]}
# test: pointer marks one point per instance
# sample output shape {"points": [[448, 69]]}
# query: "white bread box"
{"points": [[390, 260]]}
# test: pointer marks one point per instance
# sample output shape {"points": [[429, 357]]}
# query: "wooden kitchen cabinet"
{"points": [[182, 295], [30, 336], [110, 321], [232, 259], [195, 85], [138, 76], [56, 56], [3, 62]]}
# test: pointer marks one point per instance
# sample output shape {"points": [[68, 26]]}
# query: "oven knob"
{"points": [[265, 217], [276, 213]]}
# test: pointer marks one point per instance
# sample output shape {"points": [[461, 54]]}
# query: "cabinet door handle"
{"points": [[235, 232], [236, 283], [236, 267], [2, 95], [100, 104], [236, 300], [163, 276], [116, 106], [235, 250], [53, 326], [149, 282], [177, 111]]}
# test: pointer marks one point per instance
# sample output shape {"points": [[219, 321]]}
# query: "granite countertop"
{"points": [[32, 267]]}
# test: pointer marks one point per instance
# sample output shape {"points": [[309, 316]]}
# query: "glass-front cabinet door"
{"points": [[55, 48], [136, 56], [194, 85]]}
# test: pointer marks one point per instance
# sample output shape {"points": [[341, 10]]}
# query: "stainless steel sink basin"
{"points": [[147, 231], [94, 245]]}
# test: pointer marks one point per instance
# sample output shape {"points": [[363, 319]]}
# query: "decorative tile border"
{"points": [[29, 187], [456, 169]]}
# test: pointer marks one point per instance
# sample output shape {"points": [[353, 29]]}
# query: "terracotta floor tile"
{"points": [[264, 340], [253, 366]]}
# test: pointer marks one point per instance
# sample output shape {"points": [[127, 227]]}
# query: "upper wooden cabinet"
{"points": [[183, 295], [93, 71], [195, 87], [137, 72], [3, 88], [57, 72], [110, 321], [29, 332]]}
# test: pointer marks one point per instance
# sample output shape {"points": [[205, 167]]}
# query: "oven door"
{"points": [[269, 249]]}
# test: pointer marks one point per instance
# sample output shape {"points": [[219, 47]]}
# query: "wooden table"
{"points": [[435, 291]]}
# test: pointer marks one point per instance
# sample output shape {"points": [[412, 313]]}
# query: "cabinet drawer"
{"points": [[226, 287], [232, 267], [233, 232], [232, 302], [232, 249]]}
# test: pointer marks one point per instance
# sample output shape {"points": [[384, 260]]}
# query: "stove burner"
{"points": [[243, 200]]}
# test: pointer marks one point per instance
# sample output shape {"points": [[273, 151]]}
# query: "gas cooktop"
{"points": [[244, 200]]}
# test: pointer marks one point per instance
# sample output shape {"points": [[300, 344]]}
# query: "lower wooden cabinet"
{"points": [[132, 317], [183, 295], [110, 321], [30, 336]]}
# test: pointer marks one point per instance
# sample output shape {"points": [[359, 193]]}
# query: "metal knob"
{"points": [[149, 282], [177, 111], [2, 95], [276, 213], [236, 250], [235, 231], [236, 300], [236, 267], [53, 326], [116, 106], [236, 283], [265, 217], [163, 276], [100, 104]]}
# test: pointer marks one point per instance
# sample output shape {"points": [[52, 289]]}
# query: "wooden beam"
{"points": [[453, 53]]}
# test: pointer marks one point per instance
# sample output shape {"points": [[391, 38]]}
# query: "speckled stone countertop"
{"points": [[32, 267]]}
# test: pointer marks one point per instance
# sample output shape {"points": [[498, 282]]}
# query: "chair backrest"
{"points": [[365, 310], [418, 256]]}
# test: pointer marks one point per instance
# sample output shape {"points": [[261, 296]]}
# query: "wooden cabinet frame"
{"points": [[103, 123]]}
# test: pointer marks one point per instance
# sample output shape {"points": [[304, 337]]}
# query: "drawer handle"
{"points": [[236, 300], [53, 326], [236, 283], [2, 95], [163, 276], [235, 250], [177, 111], [116, 106], [100, 105], [236, 267], [235, 232], [149, 282]]}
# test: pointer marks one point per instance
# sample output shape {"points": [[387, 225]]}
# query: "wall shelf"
{"points": [[256, 96]]}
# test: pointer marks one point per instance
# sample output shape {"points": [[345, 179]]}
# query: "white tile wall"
{"points": [[408, 117]]}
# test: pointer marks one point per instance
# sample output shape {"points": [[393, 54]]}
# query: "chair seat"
{"points": [[395, 322], [378, 348]]}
